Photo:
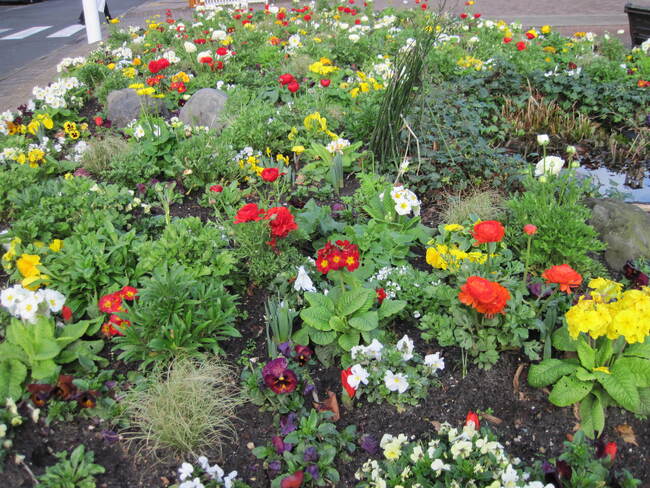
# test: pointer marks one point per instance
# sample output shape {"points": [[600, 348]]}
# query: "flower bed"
{"points": [[262, 279]]}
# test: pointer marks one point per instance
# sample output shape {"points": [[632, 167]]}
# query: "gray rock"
{"points": [[125, 105], [205, 108], [625, 229]]}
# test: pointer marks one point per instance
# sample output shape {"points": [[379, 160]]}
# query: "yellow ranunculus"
{"points": [[546, 29]]}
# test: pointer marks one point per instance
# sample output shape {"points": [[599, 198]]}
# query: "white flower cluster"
{"points": [[214, 472], [293, 43], [405, 201], [54, 94], [26, 304], [67, 63], [337, 145], [6, 116], [171, 56], [549, 165], [645, 46], [385, 21], [122, 52], [383, 69]]}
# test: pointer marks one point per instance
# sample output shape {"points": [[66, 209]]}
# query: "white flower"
{"points": [[219, 35], [28, 307], [11, 297], [54, 299], [215, 472], [203, 462], [405, 346], [354, 37], [417, 453], [461, 449], [358, 375], [645, 46], [185, 471], [228, 480], [373, 350], [337, 145], [396, 382], [509, 477], [439, 466], [403, 207], [138, 132], [434, 361], [303, 281], [549, 165], [195, 483], [543, 139], [190, 47]]}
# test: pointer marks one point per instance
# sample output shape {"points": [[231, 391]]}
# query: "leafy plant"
{"points": [[77, 472]]}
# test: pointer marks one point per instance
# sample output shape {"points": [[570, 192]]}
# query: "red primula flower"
{"points": [[109, 330], [606, 449], [506, 40], [563, 275], [128, 293], [477, 16], [249, 213], [472, 417], [293, 87], [111, 303], [99, 121], [488, 231], [381, 295], [281, 221], [463, 15], [158, 65], [487, 297], [334, 257], [345, 373], [270, 174]]}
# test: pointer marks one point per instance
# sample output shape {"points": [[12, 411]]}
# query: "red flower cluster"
{"points": [[281, 222], [154, 80], [112, 303], [563, 275], [178, 86], [345, 373], [158, 65], [488, 231], [487, 297], [290, 82], [337, 256]]}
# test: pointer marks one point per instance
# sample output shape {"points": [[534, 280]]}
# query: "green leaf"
{"points": [[586, 354], [366, 321], [45, 370], [389, 308], [353, 300], [321, 338], [72, 332], [338, 324], [12, 375], [302, 336], [45, 349], [569, 390], [621, 387], [640, 368], [638, 350], [592, 416], [604, 351], [316, 317], [349, 340], [644, 401], [320, 300], [548, 372], [583, 375]]}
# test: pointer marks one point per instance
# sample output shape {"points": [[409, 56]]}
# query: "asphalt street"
{"points": [[28, 32]]}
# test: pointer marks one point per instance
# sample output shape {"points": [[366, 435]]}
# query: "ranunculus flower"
{"points": [[216, 188], [248, 213], [563, 275], [463, 15], [270, 174], [345, 374], [472, 417], [294, 480], [222, 51], [286, 78], [325, 83], [488, 231], [281, 221], [278, 377], [521, 45], [530, 229], [293, 87], [507, 40], [487, 297]]}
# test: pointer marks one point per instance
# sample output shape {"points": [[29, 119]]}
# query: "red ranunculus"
{"points": [[281, 221], [216, 188], [487, 297], [507, 40], [530, 229], [249, 213], [463, 15], [293, 480], [307, 18], [270, 174], [222, 51], [477, 16], [205, 60], [472, 417], [293, 87], [488, 231], [99, 121], [325, 83], [66, 313], [286, 78], [521, 45], [345, 373], [563, 275]]}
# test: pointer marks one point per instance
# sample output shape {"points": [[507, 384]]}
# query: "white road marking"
{"points": [[4, 30], [68, 31], [25, 33]]}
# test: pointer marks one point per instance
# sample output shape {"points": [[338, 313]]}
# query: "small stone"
{"points": [[250, 446]]}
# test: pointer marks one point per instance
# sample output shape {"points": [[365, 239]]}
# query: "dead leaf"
{"points": [[165, 481], [569, 437], [627, 434], [436, 425], [515, 383], [330, 404], [492, 419], [576, 411]]}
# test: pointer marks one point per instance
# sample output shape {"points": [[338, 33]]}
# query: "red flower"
{"points": [[270, 174], [248, 213], [608, 449], [335, 257], [286, 78], [477, 16], [530, 35], [293, 480], [293, 87], [487, 297], [199, 41], [381, 295], [463, 15], [280, 16], [281, 221], [128, 293], [307, 18], [488, 231], [521, 45], [357, 21], [111, 303], [278, 377], [325, 83], [506, 40], [472, 417], [530, 229], [216, 188], [222, 51], [345, 373], [563, 275], [158, 65], [99, 121], [205, 60], [109, 330], [66, 313], [303, 354]]}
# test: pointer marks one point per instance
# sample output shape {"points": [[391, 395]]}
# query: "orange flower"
{"points": [[563, 275], [488, 231], [487, 297]]}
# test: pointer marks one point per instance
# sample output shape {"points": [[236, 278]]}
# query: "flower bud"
{"points": [[543, 139], [571, 149]]}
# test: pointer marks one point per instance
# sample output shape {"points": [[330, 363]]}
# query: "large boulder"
{"points": [[625, 229], [125, 105], [205, 108]]}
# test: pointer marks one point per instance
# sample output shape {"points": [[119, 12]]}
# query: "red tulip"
{"points": [[472, 417], [325, 83]]}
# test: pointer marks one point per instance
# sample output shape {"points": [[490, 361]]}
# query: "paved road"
{"points": [[30, 32]]}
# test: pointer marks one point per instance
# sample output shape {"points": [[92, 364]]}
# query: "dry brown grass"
{"points": [[477, 204]]}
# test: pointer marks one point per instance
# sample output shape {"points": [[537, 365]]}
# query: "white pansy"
{"points": [[185, 471], [303, 281], [215, 472], [138, 132], [405, 346], [509, 477], [439, 466], [373, 350], [203, 462], [543, 139], [549, 165], [396, 382], [461, 449], [229, 479], [358, 375], [195, 483], [434, 361]]}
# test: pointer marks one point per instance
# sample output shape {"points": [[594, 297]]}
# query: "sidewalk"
{"points": [[566, 17]]}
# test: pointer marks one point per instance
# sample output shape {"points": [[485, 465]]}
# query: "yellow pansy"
{"points": [[27, 265], [56, 245]]}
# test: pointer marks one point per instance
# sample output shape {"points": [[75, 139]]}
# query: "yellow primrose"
{"points": [[21, 158], [280, 158], [364, 87], [317, 39], [114, 21], [550, 49], [129, 72], [68, 176], [453, 227], [45, 120], [110, 65], [546, 29], [298, 149], [354, 93], [27, 265], [56, 245], [36, 155], [315, 121]]}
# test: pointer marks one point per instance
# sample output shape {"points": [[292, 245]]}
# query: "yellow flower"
{"points": [[74, 134], [110, 65], [56, 245], [30, 282], [602, 369], [35, 155], [21, 158], [129, 72], [114, 21], [354, 93], [298, 149], [550, 49], [137, 62], [546, 29], [45, 120], [315, 121], [9, 255], [33, 126], [317, 39], [69, 126], [292, 134], [27, 265], [153, 26], [68, 176], [453, 227], [136, 86], [435, 259], [181, 76], [146, 91], [282, 159]]}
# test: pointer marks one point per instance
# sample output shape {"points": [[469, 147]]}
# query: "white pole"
{"points": [[93, 31]]}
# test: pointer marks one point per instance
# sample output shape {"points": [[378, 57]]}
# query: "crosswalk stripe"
{"points": [[4, 30], [25, 33], [68, 31]]}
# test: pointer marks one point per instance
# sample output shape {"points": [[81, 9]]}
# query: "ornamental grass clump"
{"points": [[188, 408]]}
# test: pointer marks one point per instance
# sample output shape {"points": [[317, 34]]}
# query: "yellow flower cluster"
{"points": [[365, 84], [180, 76], [470, 62], [8, 257], [611, 313], [27, 265], [129, 72], [41, 119], [315, 122], [252, 163], [70, 128], [451, 257], [322, 67]]}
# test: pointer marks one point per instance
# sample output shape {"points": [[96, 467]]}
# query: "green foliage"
{"points": [[101, 153], [563, 235], [325, 443], [476, 205], [92, 74], [177, 314], [77, 472]]}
